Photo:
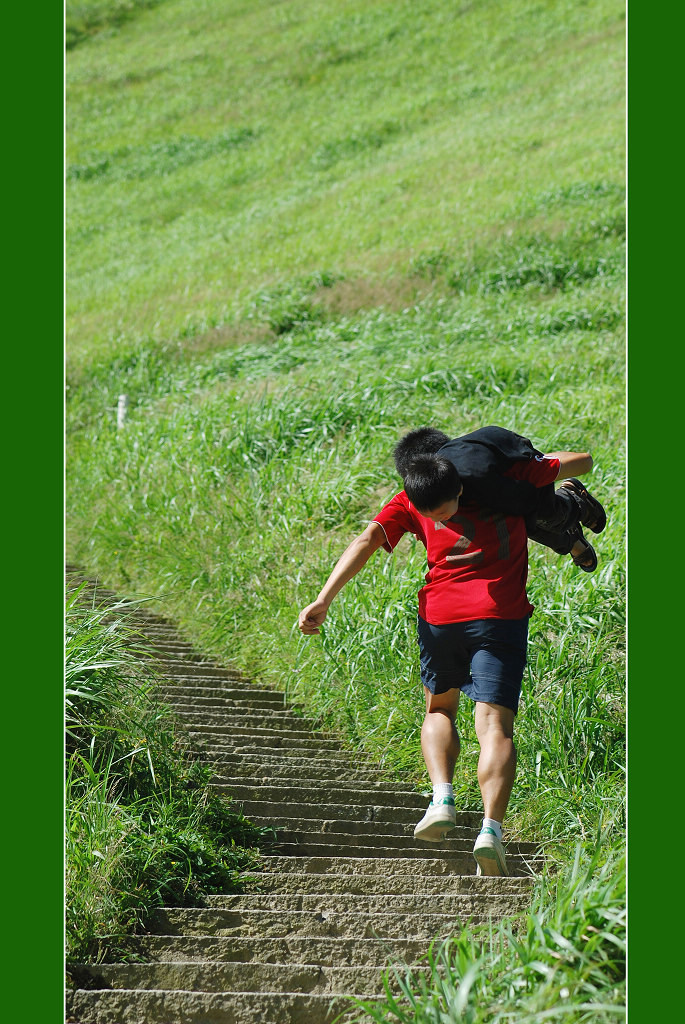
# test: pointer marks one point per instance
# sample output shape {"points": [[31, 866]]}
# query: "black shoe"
{"points": [[592, 514], [587, 559]]}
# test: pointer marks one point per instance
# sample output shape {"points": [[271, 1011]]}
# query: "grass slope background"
{"points": [[295, 231]]}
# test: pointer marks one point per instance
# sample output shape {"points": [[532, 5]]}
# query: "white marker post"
{"points": [[122, 409]]}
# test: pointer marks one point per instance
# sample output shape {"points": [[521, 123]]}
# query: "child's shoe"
{"points": [[592, 514]]}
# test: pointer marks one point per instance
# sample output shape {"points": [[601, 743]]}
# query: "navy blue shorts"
{"points": [[485, 658]]}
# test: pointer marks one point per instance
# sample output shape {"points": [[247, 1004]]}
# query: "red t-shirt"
{"points": [[477, 561]]}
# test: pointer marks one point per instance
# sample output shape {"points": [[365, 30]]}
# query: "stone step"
{"points": [[294, 949], [281, 923], [280, 769], [379, 866], [259, 726], [133, 1006], [346, 795], [179, 651], [283, 825], [299, 752], [215, 696], [316, 788], [413, 847], [462, 861], [223, 976], [189, 714], [180, 669], [459, 904], [343, 811], [300, 883], [277, 738]]}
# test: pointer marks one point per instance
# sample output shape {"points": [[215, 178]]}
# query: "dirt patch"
{"points": [[227, 336], [362, 293]]}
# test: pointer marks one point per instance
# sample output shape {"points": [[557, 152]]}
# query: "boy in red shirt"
{"points": [[472, 623]]}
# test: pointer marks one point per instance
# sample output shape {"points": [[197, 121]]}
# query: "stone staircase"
{"points": [[345, 890]]}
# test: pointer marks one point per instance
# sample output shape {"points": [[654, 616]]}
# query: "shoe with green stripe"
{"points": [[438, 819], [489, 854]]}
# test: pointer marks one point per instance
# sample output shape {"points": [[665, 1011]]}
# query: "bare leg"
{"points": [[497, 761], [439, 736], [440, 746]]}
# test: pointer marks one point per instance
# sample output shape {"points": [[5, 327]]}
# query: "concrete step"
{"points": [[347, 811], [462, 862], [319, 949], [300, 752], [220, 698], [301, 883], [281, 923], [410, 846], [180, 669], [273, 738], [179, 651], [344, 794], [223, 976], [189, 714], [257, 724], [380, 866], [317, 787], [281, 770], [283, 825], [459, 904], [133, 1006], [242, 696]]}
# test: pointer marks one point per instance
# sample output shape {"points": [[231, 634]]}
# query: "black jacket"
{"points": [[481, 458]]}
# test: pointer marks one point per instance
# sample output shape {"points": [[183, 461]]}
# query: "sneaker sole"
{"points": [[434, 832], [489, 863]]}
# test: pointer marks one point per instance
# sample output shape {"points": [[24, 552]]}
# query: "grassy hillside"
{"points": [[297, 230], [216, 148]]}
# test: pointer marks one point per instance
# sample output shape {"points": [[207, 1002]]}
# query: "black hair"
{"points": [[424, 441], [430, 481]]}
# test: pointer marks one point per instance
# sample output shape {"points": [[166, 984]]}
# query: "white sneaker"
{"points": [[489, 854], [438, 819]]}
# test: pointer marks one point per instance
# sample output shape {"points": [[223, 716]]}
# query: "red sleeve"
{"points": [[538, 471], [397, 518]]}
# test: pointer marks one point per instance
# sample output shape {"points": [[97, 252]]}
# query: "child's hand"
{"points": [[311, 617]]}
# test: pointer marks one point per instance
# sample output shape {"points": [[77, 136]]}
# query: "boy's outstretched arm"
{"points": [[572, 463], [348, 565]]}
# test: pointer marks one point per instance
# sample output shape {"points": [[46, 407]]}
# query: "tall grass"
{"points": [[142, 827], [241, 476], [564, 961]]}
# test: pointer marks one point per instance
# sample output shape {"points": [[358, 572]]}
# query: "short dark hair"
{"points": [[424, 441], [430, 481]]}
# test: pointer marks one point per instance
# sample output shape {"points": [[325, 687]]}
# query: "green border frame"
{"points": [[34, 570], [33, 418], [655, 403]]}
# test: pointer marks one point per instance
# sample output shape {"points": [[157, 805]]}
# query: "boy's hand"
{"points": [[311, 617]]}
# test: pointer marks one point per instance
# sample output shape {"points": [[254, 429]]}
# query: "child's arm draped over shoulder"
{"points": [[348, 565], [571, 463]]}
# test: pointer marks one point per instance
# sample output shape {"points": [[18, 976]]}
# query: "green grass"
{"points": [[213, 149], [566, 961], [295, 232], [143, 829]]}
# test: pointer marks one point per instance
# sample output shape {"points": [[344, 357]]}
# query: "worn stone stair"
{"points": [[345, 891]]}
